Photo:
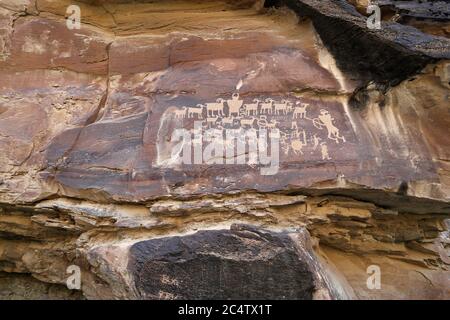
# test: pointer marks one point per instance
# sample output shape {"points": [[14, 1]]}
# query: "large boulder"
{"points": [[240, 263]]}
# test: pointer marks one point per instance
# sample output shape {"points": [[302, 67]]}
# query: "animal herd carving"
{"points": [[234, 113], [237, 109]]}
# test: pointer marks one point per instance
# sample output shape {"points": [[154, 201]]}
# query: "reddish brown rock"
{"points": [[92, 174], [39, 43], [48, 104]]}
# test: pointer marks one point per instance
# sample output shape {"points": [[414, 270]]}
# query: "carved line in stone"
{"points": [[247, 115]]}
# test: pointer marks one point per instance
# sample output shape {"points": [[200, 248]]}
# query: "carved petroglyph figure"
{"points": [[228, 121], [284, 121], [284, 142], [324, 150], [297, 144], [192, 111], [234, 105], [215, 109], [262, 122], [180, 114], [316, 141], [248, 122], [211, 120], [326, 120], [252, 109], [281, 108], [272, 124], [300, 110], [267, 106]]}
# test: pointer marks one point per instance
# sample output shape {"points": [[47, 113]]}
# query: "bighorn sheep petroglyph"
{"points": [[252, 109], [215, 109], [267, 106], [300, 111], [196, 111], [281, 108], [181, 113]]}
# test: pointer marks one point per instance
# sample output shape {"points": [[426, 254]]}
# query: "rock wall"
{"points": [[107, 165]]}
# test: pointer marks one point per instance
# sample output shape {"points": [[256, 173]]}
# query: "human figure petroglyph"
{"points": [[316, 141], [267, 106], [284, 135], [252, 108], [285, 145], [180, 113], [291, 132], [303, 136], [229, 146], [215, 109], [300, 110], [326, 120], [324, 150], [234, 105], [196, 111]]}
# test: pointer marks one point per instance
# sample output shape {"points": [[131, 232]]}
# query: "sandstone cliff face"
{"points": [[91, 177]]}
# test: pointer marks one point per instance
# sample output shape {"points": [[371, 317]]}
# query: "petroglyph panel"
{"points": [[305, 129], [256, 83], [136, 153]]}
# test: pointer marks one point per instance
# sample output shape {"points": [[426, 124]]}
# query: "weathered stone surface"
{"points": [[39, 43], [92, 174], [191, 70], [405, 49], [23, 287], [242, 263], [432, 10], [32, 115], [431, 17]]}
